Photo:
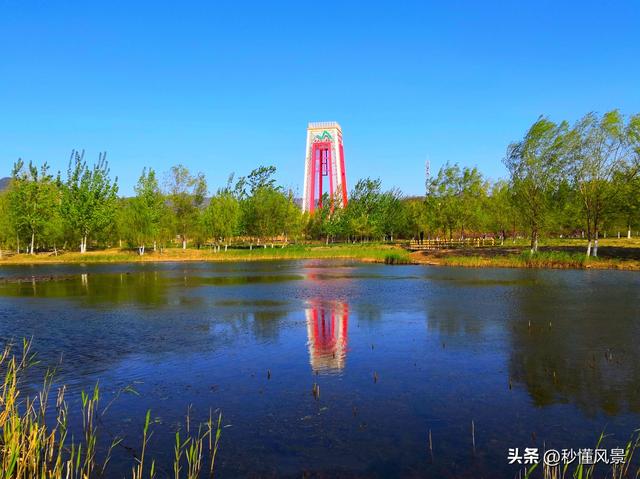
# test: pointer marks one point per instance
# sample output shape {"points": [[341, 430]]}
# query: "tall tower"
{"points": [[325, 159]]}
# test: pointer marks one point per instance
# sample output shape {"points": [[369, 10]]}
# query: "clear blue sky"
{"points": [[226, 86]]}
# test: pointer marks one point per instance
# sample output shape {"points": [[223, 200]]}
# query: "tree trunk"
{"points": [[33, 240], [83, 244], [589, 249], [534, 241], [595, 245], [629, 232], [184, 242]]}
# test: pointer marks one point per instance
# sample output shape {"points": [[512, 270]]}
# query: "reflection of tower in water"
{"points": [[327, 330]]}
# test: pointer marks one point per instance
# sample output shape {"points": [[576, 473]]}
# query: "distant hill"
{"points": [[4, 183]]}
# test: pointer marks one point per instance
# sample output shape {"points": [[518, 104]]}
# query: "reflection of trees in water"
{"points": [[453, 316], [94, 321], [146, 288], [266, 323], [589, 355]]}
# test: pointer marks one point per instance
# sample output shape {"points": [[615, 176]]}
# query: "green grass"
{"points": [[397, 258], [541, 259], [374, 252]]}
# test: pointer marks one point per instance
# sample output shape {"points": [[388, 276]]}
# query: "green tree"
{"points": [[503, 215], [221, 218], [392, 217], [7, 232], [89, 197], [265, 212], [417, 217], [363, 209], [144, 211], [455, 198], [600, 149], [186, 194], [32, 200], [628, 199], [535, 165]]}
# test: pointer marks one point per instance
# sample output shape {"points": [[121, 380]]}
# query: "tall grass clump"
{"points": [[396, 258], [553, 259], [33, 445]]}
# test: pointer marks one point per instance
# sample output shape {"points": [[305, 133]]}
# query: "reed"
{"points": [[31, 446], [622, 470]]}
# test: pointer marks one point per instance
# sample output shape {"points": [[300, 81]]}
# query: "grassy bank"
{"points": [[542, 259], [370, 252], [613, 254]]}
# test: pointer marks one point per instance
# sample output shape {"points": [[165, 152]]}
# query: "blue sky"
{"points": [[226, 86]]}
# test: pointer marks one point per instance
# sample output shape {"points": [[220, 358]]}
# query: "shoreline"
{"points": [[501, 257]]}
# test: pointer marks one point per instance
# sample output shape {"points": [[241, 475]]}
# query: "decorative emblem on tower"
{"points": [[325, 159]]}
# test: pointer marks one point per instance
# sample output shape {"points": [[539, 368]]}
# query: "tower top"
{"points": [[320, 125]]}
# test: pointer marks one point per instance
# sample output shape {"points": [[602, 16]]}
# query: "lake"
{"points": [[533, 358]]}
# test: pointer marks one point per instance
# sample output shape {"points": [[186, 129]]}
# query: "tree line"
{"points": [[578, 180]]}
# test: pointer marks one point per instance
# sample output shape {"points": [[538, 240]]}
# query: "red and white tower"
{"points": [[324, 164]]}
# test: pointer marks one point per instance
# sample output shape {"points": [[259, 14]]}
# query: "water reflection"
{"points": [[327, 332], [516, 351]]}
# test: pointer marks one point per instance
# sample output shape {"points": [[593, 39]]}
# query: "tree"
{"points": [[144, 212], [221, 218], [7, 232], [89, 197], [392, 217], [503, 216], [455, 198], [32, 200], [363, 208], [600, 149], [535, 165], [265, 212], [186, 194], [628, 199], [417, 217]]}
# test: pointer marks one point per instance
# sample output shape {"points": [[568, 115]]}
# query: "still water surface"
{"points": [[534, 358]]}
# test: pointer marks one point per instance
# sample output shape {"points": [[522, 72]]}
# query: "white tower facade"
{"points": [[324, 170]]}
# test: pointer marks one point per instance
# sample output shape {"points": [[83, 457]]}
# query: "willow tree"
{"points": [[535, 165], [601, 148]]}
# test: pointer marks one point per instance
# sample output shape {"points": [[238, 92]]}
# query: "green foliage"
{"points": [[455, 199], [221, 218], [88, 197], [601, 150], [142, 214], [536, 166], [33, 202], [186, 194]]}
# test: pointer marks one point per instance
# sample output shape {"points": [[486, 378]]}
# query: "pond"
{"points": [[502, 358]]}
